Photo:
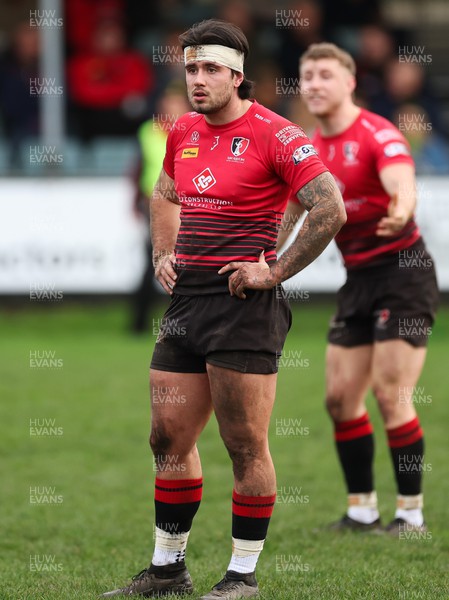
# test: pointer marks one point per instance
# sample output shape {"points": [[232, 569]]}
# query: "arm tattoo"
{"points": [[322, 199], [320, 188]]}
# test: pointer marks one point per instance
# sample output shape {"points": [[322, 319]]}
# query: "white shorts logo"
{"points": [[204, 180]]}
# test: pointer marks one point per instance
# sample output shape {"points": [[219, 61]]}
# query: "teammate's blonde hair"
{"points": [[328, 50]]}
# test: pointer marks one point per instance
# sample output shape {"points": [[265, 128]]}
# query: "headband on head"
{"points": [[222, 55]]}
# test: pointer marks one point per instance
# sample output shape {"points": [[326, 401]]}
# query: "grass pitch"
{"points": [[77, 474]]}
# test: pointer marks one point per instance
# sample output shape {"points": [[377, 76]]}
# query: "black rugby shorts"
{"points": [[225, 331], [397, 300]]}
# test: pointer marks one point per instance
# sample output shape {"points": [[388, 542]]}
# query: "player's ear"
{"points": [[352, 83], [238, 78]]}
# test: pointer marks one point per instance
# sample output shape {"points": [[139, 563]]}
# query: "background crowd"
{"points": [[123, 56]]}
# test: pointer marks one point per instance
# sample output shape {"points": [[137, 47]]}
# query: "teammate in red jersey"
{"points": [[229, 169], [386, 308]]}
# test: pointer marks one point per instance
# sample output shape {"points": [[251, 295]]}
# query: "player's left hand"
{"points": [[397, 218], [248, 275]]}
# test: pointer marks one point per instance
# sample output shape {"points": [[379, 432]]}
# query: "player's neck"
{"points": [[339, 121], [235, 109]]}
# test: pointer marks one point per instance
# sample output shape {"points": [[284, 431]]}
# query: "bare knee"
{"points": [[386, 390], [161, 441], [335, 403], [165, 440], [387, 394], [244, 452]]}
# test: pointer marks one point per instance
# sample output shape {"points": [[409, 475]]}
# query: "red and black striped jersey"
{"points": [[233, 182], [355, 158]]}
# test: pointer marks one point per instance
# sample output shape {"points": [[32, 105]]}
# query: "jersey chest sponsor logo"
{"points": [[350, 151], [204, 180], [239, 145], [190, 152]]}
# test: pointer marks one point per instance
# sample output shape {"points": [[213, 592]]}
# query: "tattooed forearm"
{"points": [[323, 200]]}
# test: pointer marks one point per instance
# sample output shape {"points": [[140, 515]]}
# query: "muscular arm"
{"points": [[398, 180], [292, 214], [164, 225], [326, 215]]}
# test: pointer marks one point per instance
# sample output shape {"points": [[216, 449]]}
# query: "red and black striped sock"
{"points": [[407, 452], [355, 446], [251, 516], [176, 503]]}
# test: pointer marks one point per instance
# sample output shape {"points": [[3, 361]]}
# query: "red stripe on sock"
{"points": [[405, 435], [351, 430], [256, 507], [178, 491]]}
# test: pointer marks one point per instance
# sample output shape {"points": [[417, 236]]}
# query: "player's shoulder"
{"points": [[380, 129], [184, 124], [281, 129], [190, 117]]}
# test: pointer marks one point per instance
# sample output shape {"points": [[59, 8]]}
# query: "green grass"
{"points": [[101, 532]]}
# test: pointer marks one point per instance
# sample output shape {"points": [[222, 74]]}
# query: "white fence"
{"points": [[81, 236]]}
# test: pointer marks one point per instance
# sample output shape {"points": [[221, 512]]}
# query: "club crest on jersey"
{"points": [[350, 150], [239, 145], [204, 180], [303, 152]]}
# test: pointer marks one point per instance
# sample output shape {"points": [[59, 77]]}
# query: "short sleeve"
{"points": [[294, 157], [389, 147], [169, 159]]}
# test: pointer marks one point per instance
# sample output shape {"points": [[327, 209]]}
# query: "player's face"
{"points": [[325, 85], [210, 87]]}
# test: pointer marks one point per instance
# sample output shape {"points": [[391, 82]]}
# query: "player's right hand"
{"points": [[164, 270]]}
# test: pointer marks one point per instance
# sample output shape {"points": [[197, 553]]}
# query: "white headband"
{"points": [[222, 55]]}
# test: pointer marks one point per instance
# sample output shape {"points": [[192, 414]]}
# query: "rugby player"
{"points": [[229, 169], [385, 310]]}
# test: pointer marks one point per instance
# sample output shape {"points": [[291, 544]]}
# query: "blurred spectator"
{"points": [[83, 16], [269, 90], [304, 25], [241, 14], [18, 107], [429, 149], [353, 13], [108, 85], [344, 18], [168, 60], [376, 48], [297, 112], [152, 139], [404, 82]]}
